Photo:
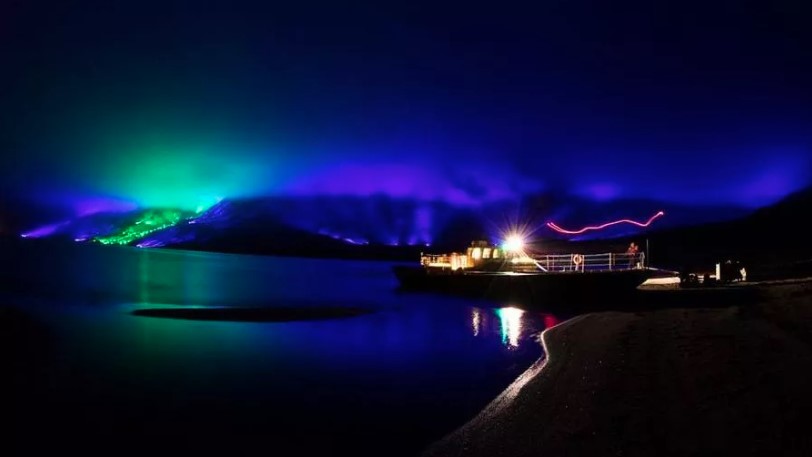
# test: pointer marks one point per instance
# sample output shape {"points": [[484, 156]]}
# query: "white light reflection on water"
{"points": [[476, 320], [510, 321]]}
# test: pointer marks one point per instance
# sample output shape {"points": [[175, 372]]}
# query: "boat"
{"points": [[507, 272]]}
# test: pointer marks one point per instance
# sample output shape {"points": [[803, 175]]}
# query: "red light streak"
{"points": [[558, 229]]}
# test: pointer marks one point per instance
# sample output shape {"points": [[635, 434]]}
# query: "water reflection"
{"points": [[550, 321], [291, 379], [514, 324], [510, 322], [143, 277]]}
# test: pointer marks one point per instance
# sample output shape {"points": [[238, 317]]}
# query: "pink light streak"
{"points": [[558, 229]]}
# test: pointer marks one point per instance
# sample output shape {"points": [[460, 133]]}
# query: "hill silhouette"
{"points": [[383, 228], [775, 237]]}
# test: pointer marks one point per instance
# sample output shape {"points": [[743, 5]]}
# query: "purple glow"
{"points": [[151, 243], [46, 230], [477, 184], [601, 191], [423, 222], [220, 212], [771, 184], [88, 206], [84, 203]]}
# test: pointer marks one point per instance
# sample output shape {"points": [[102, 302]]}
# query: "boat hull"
{"points": [[527, 288]]}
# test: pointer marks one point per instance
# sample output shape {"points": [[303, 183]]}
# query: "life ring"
{"points": [[577, 259]]}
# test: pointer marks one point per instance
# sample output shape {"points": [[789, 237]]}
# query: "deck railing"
{"points": [[610, 261], [591, 262]]}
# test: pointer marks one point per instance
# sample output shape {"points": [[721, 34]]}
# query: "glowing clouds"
{"points": [[468, 184], [188, 182], [772, 183], [157, 161], [85, 206], [600, 191]]}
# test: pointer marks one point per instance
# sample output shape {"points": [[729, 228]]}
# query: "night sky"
{"points": [[110, 104]]}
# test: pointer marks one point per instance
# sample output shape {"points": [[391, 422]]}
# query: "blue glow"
{"points": [[397, 109]]}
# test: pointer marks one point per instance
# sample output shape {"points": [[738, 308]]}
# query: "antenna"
{"points": [[648, 258]]}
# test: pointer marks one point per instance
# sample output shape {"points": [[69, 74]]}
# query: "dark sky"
{"points": [[184, 102]]}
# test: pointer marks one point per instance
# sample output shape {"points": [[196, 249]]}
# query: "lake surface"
{"points": [[87, 375]]}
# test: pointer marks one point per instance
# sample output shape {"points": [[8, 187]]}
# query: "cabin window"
{"points": [[486, 253], [495, 253], [476, 253]]}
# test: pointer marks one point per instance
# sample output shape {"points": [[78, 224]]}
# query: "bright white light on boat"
{"points": [[513, 243]]}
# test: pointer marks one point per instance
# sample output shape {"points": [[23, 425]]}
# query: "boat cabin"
{"points": [[480, 255]]}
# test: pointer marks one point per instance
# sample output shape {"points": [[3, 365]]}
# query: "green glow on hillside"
{"points": [[149, 222]]}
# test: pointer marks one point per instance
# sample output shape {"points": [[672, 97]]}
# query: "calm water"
{"points": [[88, 375]]}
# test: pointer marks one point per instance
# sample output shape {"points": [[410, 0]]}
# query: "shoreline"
{"points": [[670, 381]]}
